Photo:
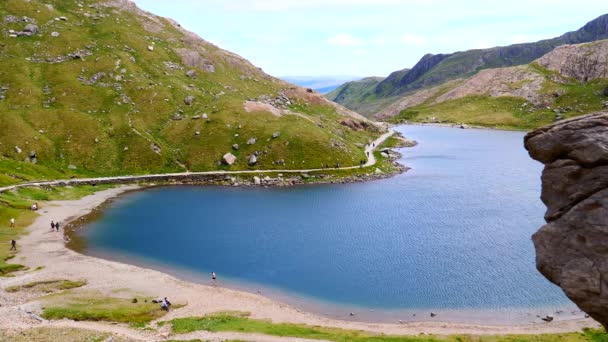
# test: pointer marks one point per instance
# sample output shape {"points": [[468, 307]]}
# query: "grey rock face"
{"points": [[189, 100], [572, 248], [31, 29]]}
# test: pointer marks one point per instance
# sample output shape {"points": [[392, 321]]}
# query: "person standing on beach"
{"points": [[213, 278], [13, 245], [57, 225], [12, 222], [52, 225]]}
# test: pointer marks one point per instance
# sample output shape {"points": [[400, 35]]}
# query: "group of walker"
{"points": [[54, 227]]}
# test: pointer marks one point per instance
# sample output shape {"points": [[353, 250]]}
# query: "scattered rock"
{"points": [[197, 133], [228, 159], [191, 73], [72, 167], [150, 48], [276, 135], [30, 30], [257, 180], [251, 141], [189, 100], [235, 147], [547, 319], [18, 149], [253, 160], [55, 34], [196, 117]]}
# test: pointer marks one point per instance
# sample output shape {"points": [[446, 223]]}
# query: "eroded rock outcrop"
{"points": [[572, 248]]}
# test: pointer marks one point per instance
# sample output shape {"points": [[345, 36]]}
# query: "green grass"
{"points": [[239, 322], [48, 286], [92, 306]]}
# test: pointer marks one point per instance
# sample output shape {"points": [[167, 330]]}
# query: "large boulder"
{"points": [[228, 159], [572, 248]]}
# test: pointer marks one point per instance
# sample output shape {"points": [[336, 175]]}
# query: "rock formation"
{"points": [[572, 248]]}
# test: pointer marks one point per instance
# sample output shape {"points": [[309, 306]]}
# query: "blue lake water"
{"points": [[453, 233]]}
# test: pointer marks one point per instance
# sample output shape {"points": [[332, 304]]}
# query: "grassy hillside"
{"points": [[101, 89], [433, 70], [359, 95]]}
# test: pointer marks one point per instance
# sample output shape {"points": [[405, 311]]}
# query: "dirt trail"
{"points": [[369, 149]]}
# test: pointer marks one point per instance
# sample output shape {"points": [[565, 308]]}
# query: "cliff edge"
{"points": [[572, 248]]}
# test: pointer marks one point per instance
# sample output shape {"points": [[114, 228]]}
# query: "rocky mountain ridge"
{"points": [[567, 81], [434, 70]]}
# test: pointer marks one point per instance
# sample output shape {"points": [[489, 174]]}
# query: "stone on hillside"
{"points": [[32, 154], [378, 171], [571, 248], [257, 180], [235, 147], [276, 135], [189, 100], [205, 117], [150, 48], [30, 29], [55, 34], [63, 18], [253, 160], [228, 159], [197, 133], [196, 117], [18, 149], [191, 73], [72, 167], [251, 141]]}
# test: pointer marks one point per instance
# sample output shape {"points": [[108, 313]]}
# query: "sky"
{"points": [[368, 37]]}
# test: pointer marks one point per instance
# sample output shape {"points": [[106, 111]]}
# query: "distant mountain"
{"points": [[434, 70], [569, 81], [321, 84], [100, 87]]}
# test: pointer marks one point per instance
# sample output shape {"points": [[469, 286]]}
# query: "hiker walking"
{"points": [[213, 278], [52, 225], [12, 222], [57, 226], [13, 245], [165, 304]]}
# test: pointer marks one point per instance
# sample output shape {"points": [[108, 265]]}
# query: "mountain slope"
{"points": [[103, 88], [568, 81], [358, 95], [434, 70]]}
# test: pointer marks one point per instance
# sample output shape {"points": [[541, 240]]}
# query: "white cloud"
{"points": [[277, 5], [360, 52], [344, 39], [413, 39]]}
